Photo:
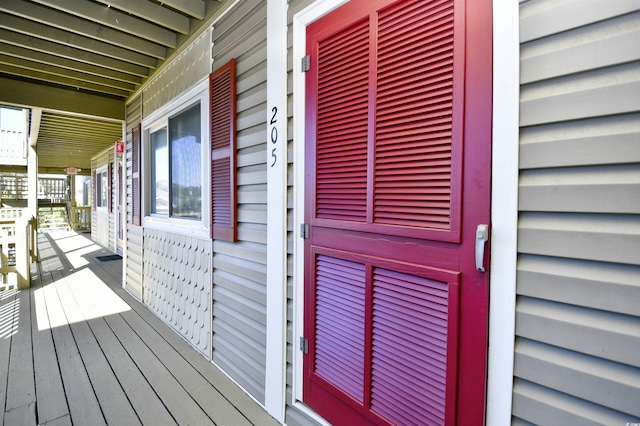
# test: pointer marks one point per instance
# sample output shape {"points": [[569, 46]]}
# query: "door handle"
{"points": [[482, 235]]}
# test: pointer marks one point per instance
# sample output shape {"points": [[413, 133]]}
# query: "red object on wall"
{"points": [[119, 147]]}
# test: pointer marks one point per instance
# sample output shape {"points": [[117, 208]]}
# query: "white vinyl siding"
{"points": [[577, 315]]}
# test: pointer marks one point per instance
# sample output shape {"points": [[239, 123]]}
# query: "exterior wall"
{"points": [[103, 222], [239, 269], [577, 314], [133, 235]]}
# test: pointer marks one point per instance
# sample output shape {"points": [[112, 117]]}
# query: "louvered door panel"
{"points": [[410, 342], [414, 113], [339, 338], [342, 124]]}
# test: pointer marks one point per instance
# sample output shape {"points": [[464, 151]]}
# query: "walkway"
{"points": [[77, 349]]}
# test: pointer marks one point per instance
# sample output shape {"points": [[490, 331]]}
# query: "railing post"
{"points": [[23, 257]]}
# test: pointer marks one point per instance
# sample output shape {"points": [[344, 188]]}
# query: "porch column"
{"points": [[32, 170]]}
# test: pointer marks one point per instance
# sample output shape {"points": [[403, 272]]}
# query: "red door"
{"points": [[398, 171]]}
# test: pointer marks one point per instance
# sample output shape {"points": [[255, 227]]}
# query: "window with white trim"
{"points": [[175, 142], [102, 188]]}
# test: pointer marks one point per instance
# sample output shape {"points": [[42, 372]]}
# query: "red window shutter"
{"points": [[135, 174], [110, 183], [94, 190], [222, 91]]}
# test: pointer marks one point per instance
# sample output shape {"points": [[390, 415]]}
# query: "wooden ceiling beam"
{"points": [[62, 80], [67, 77], [114, 19], [57, 61], [45, 32], [71, 53], [194, 8], [28, 94], [64, 21], [152, 12]]}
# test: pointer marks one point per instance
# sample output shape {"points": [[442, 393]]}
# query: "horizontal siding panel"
{"points": [[248, 347], [582, 49], [248, 251], [252, 329], [235, 366], [541, 19], [610, 336], [605, 238], [246, 44], [255, 213], [622, 198], [609, 287], [609, 140], [601, 382], [252, 175], [255, 96], [252, 194], [240, 20], [252, 232], [238, 285], [544, 406], [610, 189], [245, 269], [237, 302], [254, 117], [617, 99], [250, 137], [251, 156]]}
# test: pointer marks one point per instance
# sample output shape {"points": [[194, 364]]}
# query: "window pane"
{"points": [[159, 172], [104, 193], [186, 176]]}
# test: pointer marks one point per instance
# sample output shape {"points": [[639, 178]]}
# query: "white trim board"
{"points": [[504, 212], [276, 137]]}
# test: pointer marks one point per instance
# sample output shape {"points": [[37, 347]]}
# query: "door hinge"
{"points": [[304, 230], [304, 345], [305, 63]]}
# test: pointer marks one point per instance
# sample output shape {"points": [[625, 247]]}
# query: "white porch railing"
{"points": [[12, 144], [80, 218], [18, 249]]}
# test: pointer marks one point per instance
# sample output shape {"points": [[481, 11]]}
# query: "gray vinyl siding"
{"points": [[578, 273], [239, 269], [133, 235]]}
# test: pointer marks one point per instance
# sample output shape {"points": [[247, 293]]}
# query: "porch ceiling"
{"points": [[77, 61]]}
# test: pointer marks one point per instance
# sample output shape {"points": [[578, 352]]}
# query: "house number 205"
{"points": [[274, 135]]}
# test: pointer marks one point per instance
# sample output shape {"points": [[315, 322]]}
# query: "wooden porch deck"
{"points": [[77, 349]]}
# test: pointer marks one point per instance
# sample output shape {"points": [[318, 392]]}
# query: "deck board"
{"points": [[77, 349], [21, 392], [52, 403]]}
